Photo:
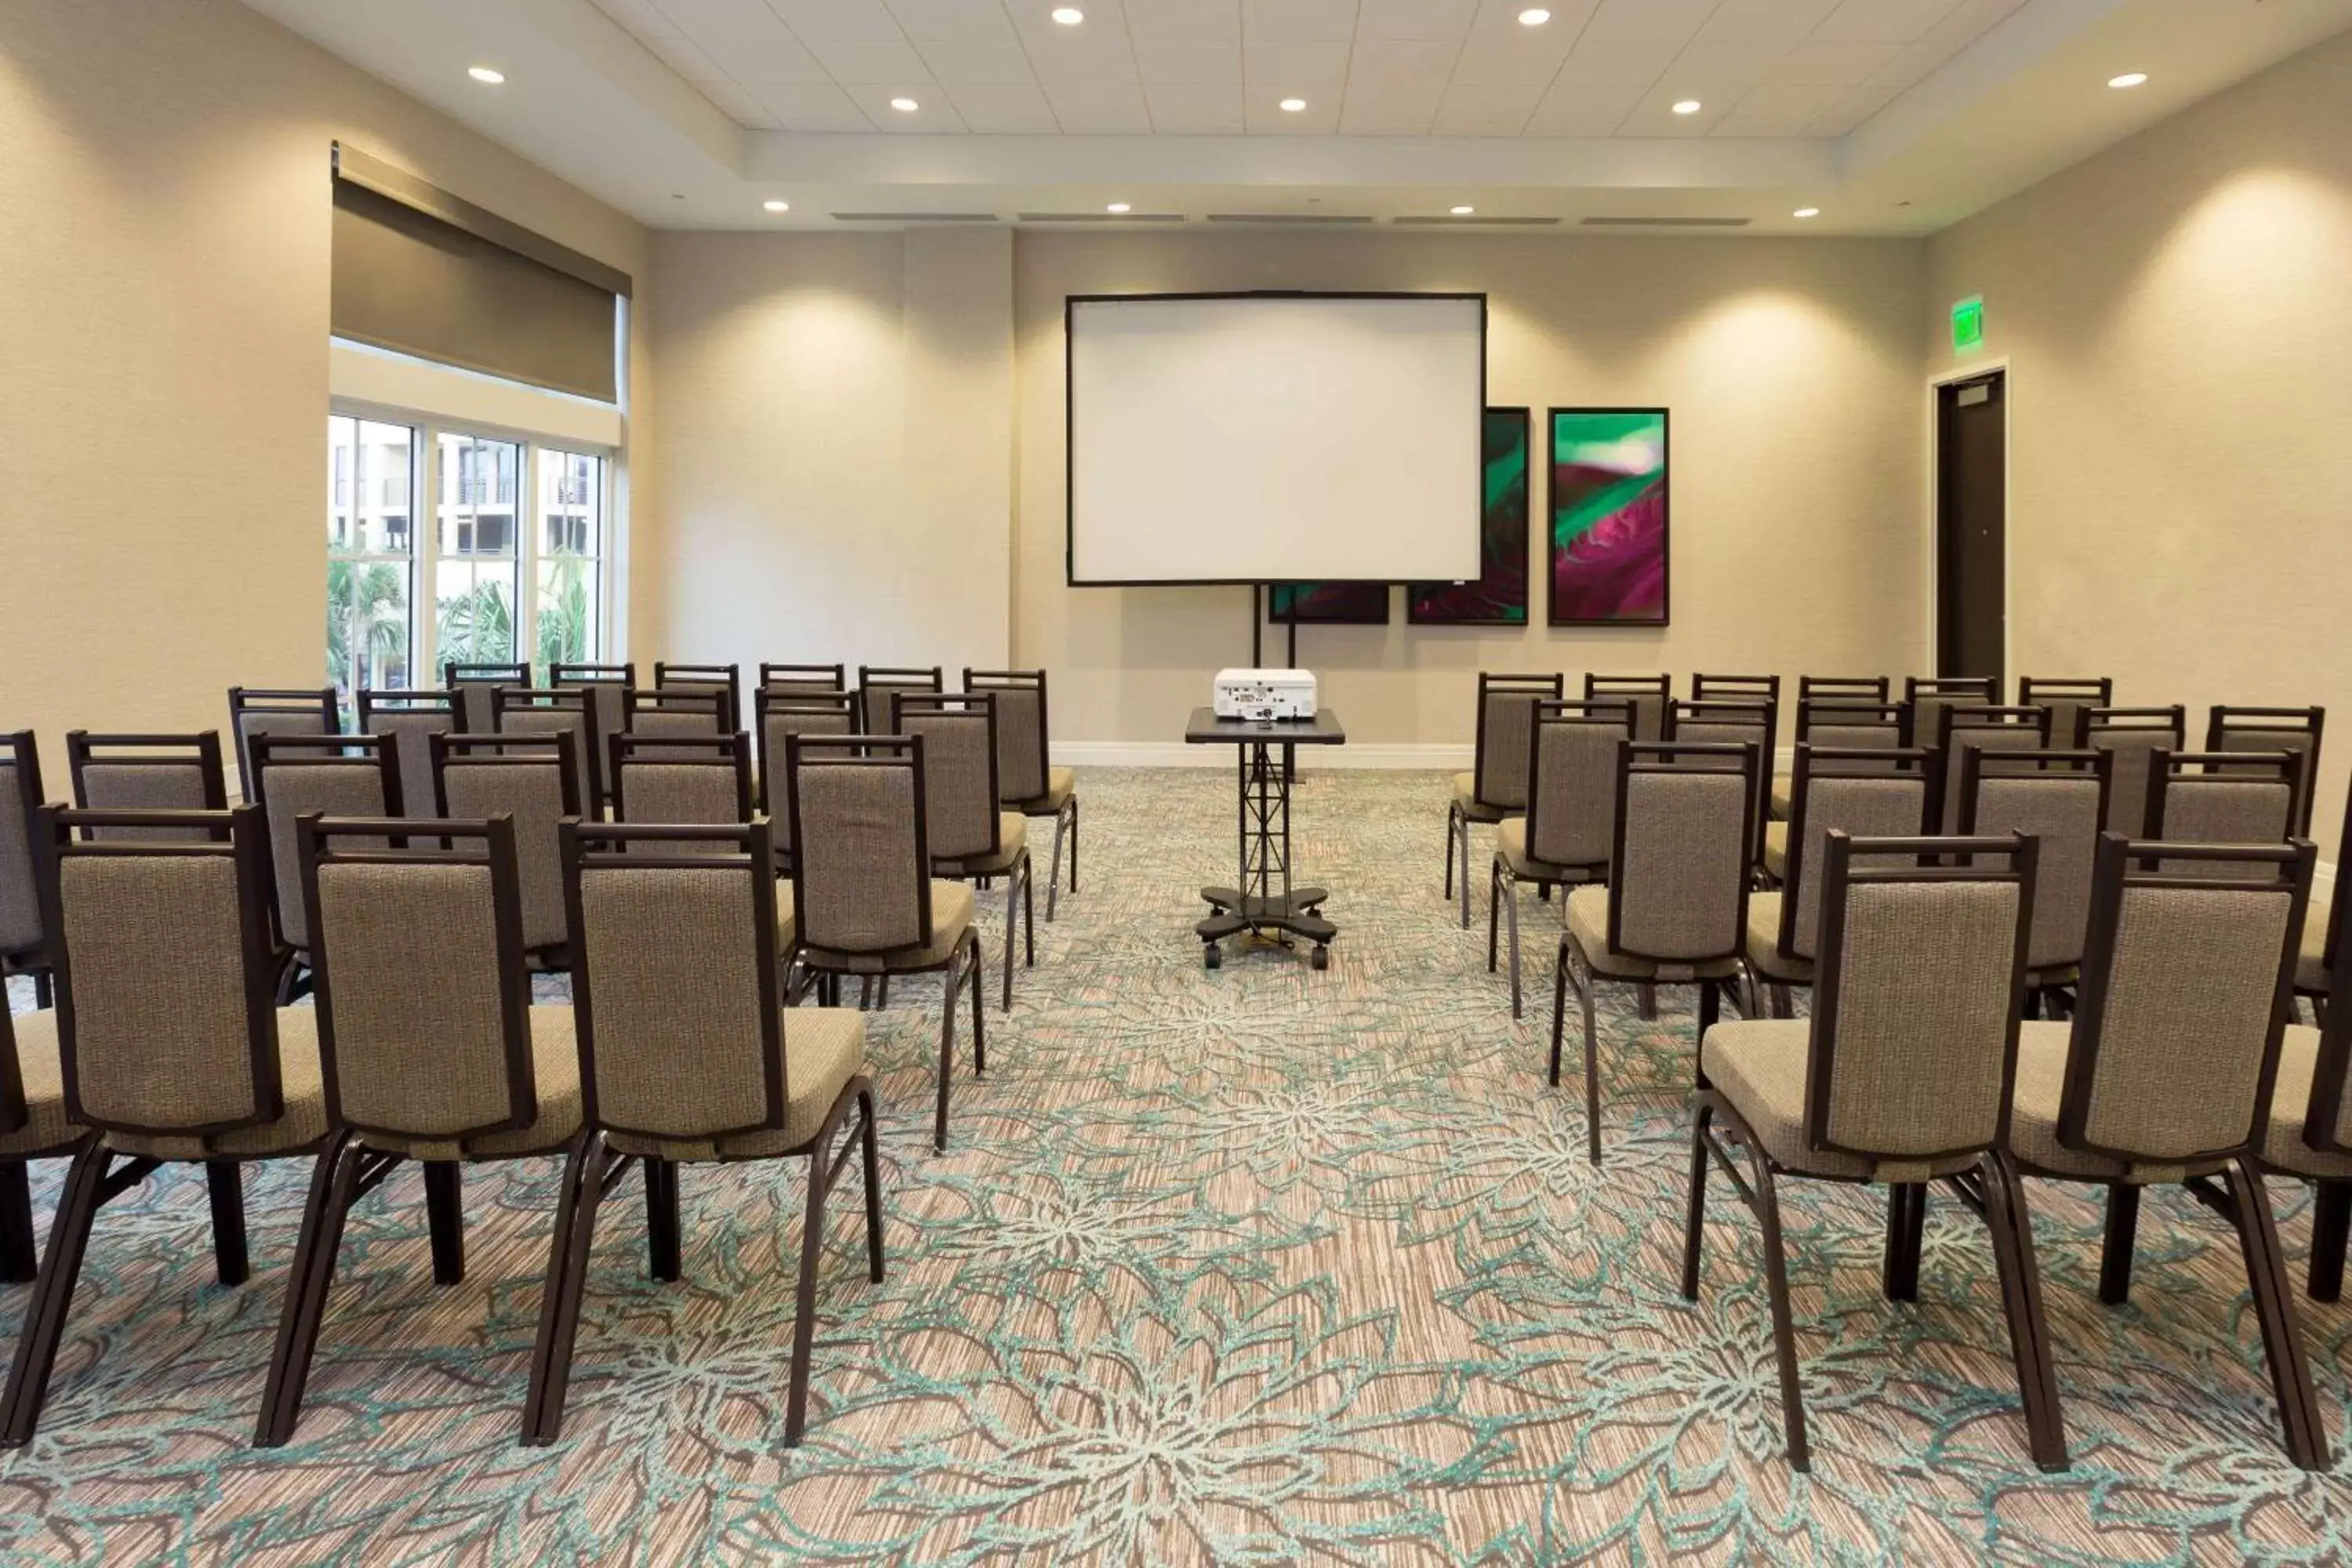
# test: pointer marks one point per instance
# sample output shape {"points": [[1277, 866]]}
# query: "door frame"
{"points": [[1929, 488]]}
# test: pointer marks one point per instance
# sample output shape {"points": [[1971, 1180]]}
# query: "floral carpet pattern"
{"points": [[1260, 1266]]}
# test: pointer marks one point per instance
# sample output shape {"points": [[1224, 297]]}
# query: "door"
{"points": [[1971, 527]]}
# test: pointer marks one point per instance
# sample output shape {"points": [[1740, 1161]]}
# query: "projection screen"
{"points": [[1275, 437]]}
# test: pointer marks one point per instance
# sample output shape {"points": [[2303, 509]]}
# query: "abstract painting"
{"points": [[1609, 517], [1329, 604], [1499, 596]]}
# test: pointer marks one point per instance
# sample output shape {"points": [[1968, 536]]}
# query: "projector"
{"points": [[1264, 694]]}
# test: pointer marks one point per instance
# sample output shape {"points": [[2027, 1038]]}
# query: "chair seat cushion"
{"points": [[47, 1130], [1764, 943], [1776, 849], [1759, 1067], [1466, 801], [2284, 1146], [1511, 850], [555, 1079], [1784, 794], [301, 1122], [2311, 961], [2033, 1117], [950, 916], [1588, 927], [1061, 783], [1011, 843], [824, 1048]]}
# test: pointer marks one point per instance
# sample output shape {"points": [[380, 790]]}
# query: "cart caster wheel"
{"points": [[1321, 958], [1212, 957]]}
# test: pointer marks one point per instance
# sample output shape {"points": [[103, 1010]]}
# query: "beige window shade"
{"points": [[420, 271]]}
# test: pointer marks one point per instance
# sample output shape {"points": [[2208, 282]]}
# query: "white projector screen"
{"points": [[1275, 437]]}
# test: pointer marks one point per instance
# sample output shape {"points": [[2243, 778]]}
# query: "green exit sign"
{"points": [[1967, 324]]}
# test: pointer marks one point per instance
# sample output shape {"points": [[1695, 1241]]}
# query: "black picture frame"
{"points": [[1555, 613]]}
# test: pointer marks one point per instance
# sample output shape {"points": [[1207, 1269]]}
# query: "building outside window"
{"points": [[369, 573]]}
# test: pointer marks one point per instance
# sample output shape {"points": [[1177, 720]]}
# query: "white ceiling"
{"points": [[1365, 67], [1888, 116]]}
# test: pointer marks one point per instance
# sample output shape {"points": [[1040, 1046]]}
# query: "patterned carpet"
{"points": [[1256, 1266]]}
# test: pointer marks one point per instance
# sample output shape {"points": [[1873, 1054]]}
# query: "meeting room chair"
{"points": [[1962, 728], [205, 1068], [1571, 810], [1867, 792], [2314, 965], [1648, 694], [1842, 724], [1675, 909], [2236, 797], [1733, 722], [692, 712], [146, 772], [2310, 1131], [2069, 699], [294, 776], [701, 779], [415, 717], [877, 682], [2060, 799], [969, 834], [2168, 1071], [1736, 688], [608, 686], [23, 949], [1496, 787], [34, 1125], [532, 781], [781, 712], [519, 712], [679, 955], [469, 1071], [1026, 776], [1850, 689], [255, 710], [1928, 698], [1901, 1077], [2132, 736], [477, 686], [2295, 729], [867, 900], [804, 679], [724, 681]]}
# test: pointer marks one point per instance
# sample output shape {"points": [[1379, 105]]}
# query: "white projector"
{"points": [[1263, 694]]}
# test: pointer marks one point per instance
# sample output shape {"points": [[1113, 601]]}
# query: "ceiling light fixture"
{"points": [[1293, 105], [778, 207], [1806, 212], [486, 75], [1688, 106], [1118, 207], [2129, 79], [1462, 212], [1534, 19], [1068, 16], [905, 105]]}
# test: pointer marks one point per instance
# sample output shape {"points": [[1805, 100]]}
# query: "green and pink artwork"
{"points": [[1329, 604], [1499, 596], [1609, 517]]}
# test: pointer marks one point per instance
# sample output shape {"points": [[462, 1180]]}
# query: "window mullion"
{"points": [[424, 536]]}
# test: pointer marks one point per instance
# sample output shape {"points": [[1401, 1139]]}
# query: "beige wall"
{"points": [[1793, 371], [163, 281], [2179, 330]]}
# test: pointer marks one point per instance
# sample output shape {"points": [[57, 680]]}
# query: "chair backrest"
{"points": [[1736, 688], [1850, 689], [1842, 724], [2132, 736], [476, 686], [15, 1114], [607, 686], [167, 1022], [1023, 746], [1962, 728], [2061, 799], [2326, 1116], [700, 780], [332, 775], [519, 712], [533, 781], [2292, 730], [960, 779], [724, 681], [2069, 699], [2236, 797], [1507, 713], [417, 960], [1732, 721], [687, 712], [676, 986], [1867, 792], [862, 870], [784, 713], [805, 677], [256, 710], [415, 717], [876, 682], [20, 797], [1917, 997], [2186, 991], [1572, 785], [1648, 694], [1927, 696], [1684, 844], [145, 773]]}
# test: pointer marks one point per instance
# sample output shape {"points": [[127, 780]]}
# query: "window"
{"points": [[507, 514]]}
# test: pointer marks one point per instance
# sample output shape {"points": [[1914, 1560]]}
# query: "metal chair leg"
{"points": [[952, 986], [225, 1192], [1784, 1333], [1585, 987], [2300, 1420], [19, 1251], [872, 1186], [1510, 897], [664, 1260], [2116, 1253], [445, 1218], [1559, 1010], [2029, 1327], [1694, 1216], [567, 1268], [45, 1319], [1494, 915], [1906, 1216], [804, 1303], [1028, 915], [1453, 816], [979, 1028], [2331, 1220], [334, 1184]]}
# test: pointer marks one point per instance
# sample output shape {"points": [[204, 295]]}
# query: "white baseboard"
{"points": [[1177, 755]]}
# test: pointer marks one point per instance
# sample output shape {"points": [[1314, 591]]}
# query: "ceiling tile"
{"points": [[1105, 57], [1885, 21], [762, 54], [1827, 62], [1766, 21], [687, 60], [935, 116], [1488, 109], [642, 17], [952, 21], [1290, 70], [835, 21], [872, 65], [1857, 106], [1195, 108], [1298, 21], [1592, 105], [997, 109], [1415, 19], [992, 63], [1497, 49], [1099, 108], [1161, 60], [1647, 21], [1802, 102], [1395, 84], [1267, 117], [1603, 65], [804, 106], [1655, 115], [1719, 70], [1185, 21]]}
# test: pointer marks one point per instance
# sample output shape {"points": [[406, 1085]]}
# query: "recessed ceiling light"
{"points": [[484, 74], [905, 105], [1534, 19], [1068, 16], [1462, 212], [1118, 207], [1688, 106], [2129, 79], [1293, 105], [778, 207], [1806, 212]]}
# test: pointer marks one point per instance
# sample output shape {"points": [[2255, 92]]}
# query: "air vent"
{"points": [[1447, 220], [1665, 223], [916, 217], [1101, 217], [1290, 217]]}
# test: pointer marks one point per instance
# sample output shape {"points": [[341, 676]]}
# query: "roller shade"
{"points": [[422, 272]]}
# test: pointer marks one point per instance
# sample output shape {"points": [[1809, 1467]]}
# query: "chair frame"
{"points": [[1843, 690], [2056, 761], [770, 796], [872, 677], [507, 699], [805, 675], [490, 751], [2312, 721], [1724, 709], [1843, 762], [1020, 889], [369, 701], [383, 750], [1996, 1194], [460, 677], [1542, 689], [732, 752], [592, 678], [2177, 726], [676, 699], [2087, 692], [201, 750], [1066, 815], [1502, 882], [2326, 1130], [1736, 688], [324, 700], [1604, 688], [668, 676], [2168, 770]]}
